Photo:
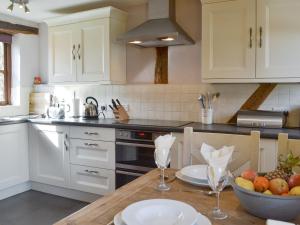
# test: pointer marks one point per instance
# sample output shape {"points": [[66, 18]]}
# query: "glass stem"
{"points": [[162, 176], [218, 200]]}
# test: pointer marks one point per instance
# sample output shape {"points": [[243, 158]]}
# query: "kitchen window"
{"points": [[5, 69]]}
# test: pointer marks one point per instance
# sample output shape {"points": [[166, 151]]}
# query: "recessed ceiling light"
{"points": [[135, 42], [23, 4], [167, 39]]}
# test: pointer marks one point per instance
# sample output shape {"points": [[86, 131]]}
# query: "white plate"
{"points": [[159, 211], [195, 172], [196, 182], [201, 220]]}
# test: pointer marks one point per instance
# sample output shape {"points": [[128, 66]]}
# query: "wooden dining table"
{"points": [[102, 211]]}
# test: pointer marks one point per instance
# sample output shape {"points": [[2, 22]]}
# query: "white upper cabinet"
{"points": [[83, 47], [250, 41], [278, 52], [228, 40]]}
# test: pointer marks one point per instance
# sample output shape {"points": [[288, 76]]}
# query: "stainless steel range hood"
{"points": [[161, 28]]}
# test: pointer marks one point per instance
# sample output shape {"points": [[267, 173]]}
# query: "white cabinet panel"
{"points": [[278, 51], [49, 155], [93, 62], [13, 155], [228, 37], [62, 57], [268, 155], [99, 154], [92, 133], [93, 180]]}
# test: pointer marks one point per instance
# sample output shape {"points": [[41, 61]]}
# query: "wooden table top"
{"points": [[102, 211]]}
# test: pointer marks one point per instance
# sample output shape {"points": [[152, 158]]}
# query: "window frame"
{"points": [[7, 74]]}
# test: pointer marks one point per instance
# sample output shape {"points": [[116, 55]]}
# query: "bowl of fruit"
{"points": [[274, 195]]}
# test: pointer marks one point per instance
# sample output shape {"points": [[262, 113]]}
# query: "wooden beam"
{"points": [[161, 66], [10, 28], [256, 99]]}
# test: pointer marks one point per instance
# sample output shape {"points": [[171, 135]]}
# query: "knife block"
{"points": [[120, 113]]}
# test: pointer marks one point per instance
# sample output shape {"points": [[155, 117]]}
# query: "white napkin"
{"points": [[275, 222], [217, 159], [163, 145]]}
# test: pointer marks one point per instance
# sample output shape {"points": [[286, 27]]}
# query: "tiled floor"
{"points": [[36, 208]]}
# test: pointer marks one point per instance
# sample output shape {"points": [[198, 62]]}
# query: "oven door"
{"points": [[124, 177], [135, 156]]}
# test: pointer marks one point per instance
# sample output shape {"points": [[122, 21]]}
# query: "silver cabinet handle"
{"points": [[91, 133], [260, 37], [135, 145], [251, 35], [88, 144], [66, 146], [73, 53], [78, 52], [129, 173], [91, 171]]}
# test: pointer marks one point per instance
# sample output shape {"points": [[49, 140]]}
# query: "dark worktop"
{"points": [[165, 126]]}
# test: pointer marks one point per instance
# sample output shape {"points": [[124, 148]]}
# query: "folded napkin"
{"points": [[217, 159], [163, 145], [275, 222]]}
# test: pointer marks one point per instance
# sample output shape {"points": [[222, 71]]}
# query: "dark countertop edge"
{"points": [[267, 133]]}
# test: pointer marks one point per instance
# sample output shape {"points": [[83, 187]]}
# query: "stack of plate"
{"points": [[162, 212], [195, 174]]}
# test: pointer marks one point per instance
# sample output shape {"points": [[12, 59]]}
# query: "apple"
{"points": [[249, 175], [279, 186], [268, 192], [295, 191], [294, 181]]}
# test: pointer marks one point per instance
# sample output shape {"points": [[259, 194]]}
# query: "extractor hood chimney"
{"points": [[160, 30]]}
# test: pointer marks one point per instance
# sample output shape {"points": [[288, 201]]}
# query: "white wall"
{"points": [[25, 65]]}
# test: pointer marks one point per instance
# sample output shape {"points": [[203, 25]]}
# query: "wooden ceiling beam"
{"points": [[11, 28]]}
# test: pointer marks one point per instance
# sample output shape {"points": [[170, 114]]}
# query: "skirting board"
{"points": [[17, 189], [64, 192]]}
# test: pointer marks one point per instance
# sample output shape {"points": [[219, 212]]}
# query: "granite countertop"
{"points": [[165, 126]]}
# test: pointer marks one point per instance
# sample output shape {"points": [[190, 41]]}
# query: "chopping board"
{"points": [[39, 102]]}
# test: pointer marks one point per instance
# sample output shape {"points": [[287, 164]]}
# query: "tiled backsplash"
{"points": [[179, 102]]}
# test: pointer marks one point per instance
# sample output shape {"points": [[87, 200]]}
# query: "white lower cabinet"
{"points": [[63, 156], [49, 154], [13, 155], [93, 180]]}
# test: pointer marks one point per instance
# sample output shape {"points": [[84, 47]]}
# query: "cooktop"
{"points": [[154, 123]]}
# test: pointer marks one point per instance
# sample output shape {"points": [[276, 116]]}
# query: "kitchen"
{"points": [[77, 49]]}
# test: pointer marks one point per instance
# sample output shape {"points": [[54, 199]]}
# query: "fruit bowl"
{"points": [[284, 208]]}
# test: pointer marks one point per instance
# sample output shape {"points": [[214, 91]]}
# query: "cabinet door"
{"points": [[49, 155], [268, 155], [228, 40], [92, 51], [13, 155], [278, 51], [62, 54]]}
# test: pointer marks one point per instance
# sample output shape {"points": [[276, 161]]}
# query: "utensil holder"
{"points": [[120, 113], [207, 116]]}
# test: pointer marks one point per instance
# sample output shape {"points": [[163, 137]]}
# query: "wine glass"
{"points": [[217, 179], [162, 160]]}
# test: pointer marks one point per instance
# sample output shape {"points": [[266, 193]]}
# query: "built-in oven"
{"points": [[134, 154]]}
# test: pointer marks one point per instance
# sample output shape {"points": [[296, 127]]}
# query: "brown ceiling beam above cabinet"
{"points": [[256, 99], [11, 28]]}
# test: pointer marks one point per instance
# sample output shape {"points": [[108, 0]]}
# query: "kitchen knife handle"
{"points": [[114, 104], [117, 100]]}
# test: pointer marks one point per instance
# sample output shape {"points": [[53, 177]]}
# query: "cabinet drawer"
{"points": [[92, 180], [99, 154], [92, 133]]}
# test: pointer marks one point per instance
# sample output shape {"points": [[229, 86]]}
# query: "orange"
{"points": [[261, 184]]}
